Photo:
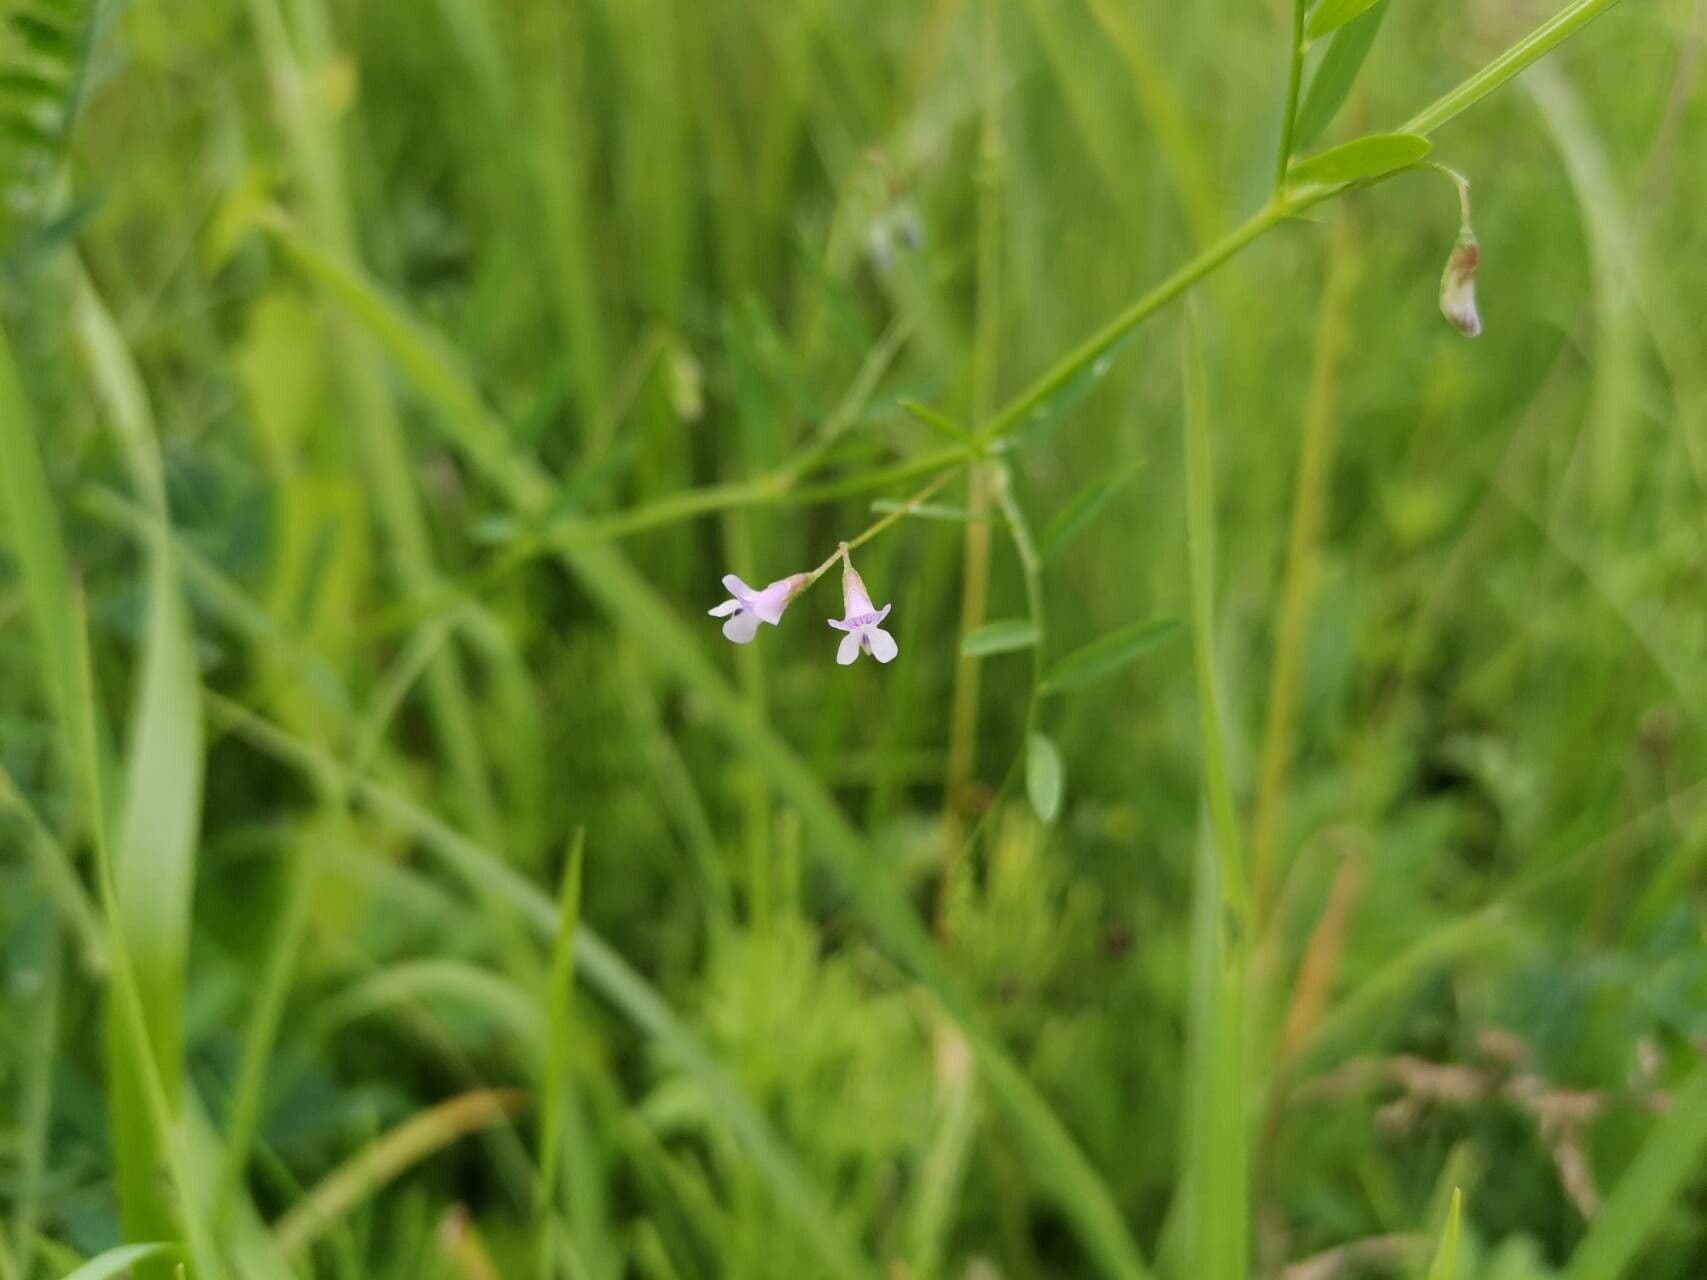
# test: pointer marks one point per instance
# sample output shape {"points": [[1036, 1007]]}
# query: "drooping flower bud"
{"points": [[1458, 285]]}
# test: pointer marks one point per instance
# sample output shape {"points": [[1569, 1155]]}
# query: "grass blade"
{"points": [[1445, 1264], [559, 992], [1219, 1192], [155, 851], [1668, 1159], [119, 1261], [388, 1156]]}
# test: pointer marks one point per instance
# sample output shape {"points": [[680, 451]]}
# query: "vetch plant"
{"points": [[1220, 1160]]}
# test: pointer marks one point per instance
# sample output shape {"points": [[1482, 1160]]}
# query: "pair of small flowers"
{"points": [[860, 620]]}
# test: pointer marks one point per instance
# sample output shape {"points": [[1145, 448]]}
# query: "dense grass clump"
{"points": [[1268, 837]]}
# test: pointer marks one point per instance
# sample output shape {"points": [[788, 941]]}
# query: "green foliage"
{"points": [[386, 387]]}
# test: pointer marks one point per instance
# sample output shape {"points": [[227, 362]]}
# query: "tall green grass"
{"points": [[403, 878]]}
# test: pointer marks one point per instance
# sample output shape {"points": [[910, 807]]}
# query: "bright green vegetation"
{"points": [[1278, 850]]}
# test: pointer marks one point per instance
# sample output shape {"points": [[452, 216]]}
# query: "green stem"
{"points": [[1076, 360], [1539, 42], [1294, 75]]}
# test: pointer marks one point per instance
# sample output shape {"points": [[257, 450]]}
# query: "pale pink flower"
{"points": [[749, 607], [861, 623]]}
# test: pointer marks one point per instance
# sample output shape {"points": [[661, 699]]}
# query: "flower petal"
{"points": [[770, 602], [725, 609], [742, 627], [855, 599], [882, 613], [848, 650], [735, 587], [883, 646]]}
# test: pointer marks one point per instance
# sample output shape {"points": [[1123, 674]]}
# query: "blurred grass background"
{"points": [[385, 387]]}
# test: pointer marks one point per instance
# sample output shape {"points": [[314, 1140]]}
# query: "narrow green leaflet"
{"points": [[1331, 15], [1106, 655], [1358, 161], [1008, 635], [937, 421], [1083, 507], [1337, 72], [1044, 775]]}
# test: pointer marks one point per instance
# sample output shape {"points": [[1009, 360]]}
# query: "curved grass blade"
{"points": [[154, 854], [120, 1261], [1668, 1159], [387, 1157]]}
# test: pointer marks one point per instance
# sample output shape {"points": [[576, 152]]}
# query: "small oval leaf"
{"points": [[1331, 15], [1359, 160], [1107, 655], [1004, 636], [1337, 72], [1043, 777]]}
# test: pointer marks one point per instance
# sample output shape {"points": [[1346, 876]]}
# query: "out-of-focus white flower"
{"points": [[750, 607], [1458, 285], [860, 620]]}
